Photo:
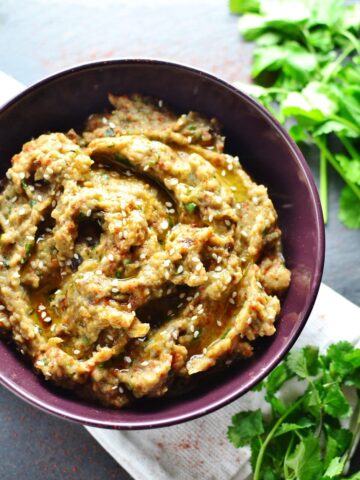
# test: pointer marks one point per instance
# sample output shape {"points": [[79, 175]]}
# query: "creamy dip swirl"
{"points": [[136, 253]]}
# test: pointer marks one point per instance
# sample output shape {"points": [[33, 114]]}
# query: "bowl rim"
{"points": [[124, 424]]}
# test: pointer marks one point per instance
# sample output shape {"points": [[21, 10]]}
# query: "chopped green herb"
{"points": [[32, 202], [119, 273], [225, 332], [191, 128], [24, 184], [127, 261], [190, 207]]}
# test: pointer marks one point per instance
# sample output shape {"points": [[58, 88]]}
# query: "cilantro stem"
{"points": [[347, 123], [356, 432], [270, 436], [332, 160], [324, 186], [338, 62], [349, 147], [288, 450]]}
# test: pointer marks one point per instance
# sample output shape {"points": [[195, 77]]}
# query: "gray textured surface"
{"points": [[39, 37]]}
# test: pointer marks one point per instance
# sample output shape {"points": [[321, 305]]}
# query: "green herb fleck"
{"points": [[119, 273], [190, 207]]}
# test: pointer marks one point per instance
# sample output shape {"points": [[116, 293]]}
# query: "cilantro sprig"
{"points": [[304, 438], [306, 69]]}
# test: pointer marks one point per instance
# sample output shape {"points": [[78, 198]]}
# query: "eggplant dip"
{"points": [[136, 253]]}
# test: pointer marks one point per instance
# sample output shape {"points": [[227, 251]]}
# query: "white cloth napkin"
{"points": [[199, 449]]}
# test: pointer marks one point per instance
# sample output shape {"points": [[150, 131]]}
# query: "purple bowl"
{"points": [[266, 152]]}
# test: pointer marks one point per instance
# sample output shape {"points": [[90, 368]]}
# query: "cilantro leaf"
{"points": [[351, 167], [244, 6], [335, 468], [303, 362], [302, 423], [337, 442], [245, 426], [335, 403], [305, 461], [349, 212]]}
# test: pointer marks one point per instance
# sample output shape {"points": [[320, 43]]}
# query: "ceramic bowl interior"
{"points": [[266, 152]]}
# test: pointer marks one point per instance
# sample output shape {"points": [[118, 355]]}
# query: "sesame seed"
{"points": [[22, 175], [233, 188], [204, 351], [167, 263], [192, 328], [234, 294], [142, 256], [255, 200], [169, 312], [173, 181], [180, 305], [114, 290], [180, 269], [168, 204], [196, 295], [164, 224], [127, 359], [211, 218], [223, 173], [22, 211], [121, 390], [53, 328], [232, 301], [2, 307], [172, 251], [175, 335], [227, 223], [145, 363], [230, 167], [146, 168], [13, 199], [111, 257], [76, 352], [194, 317], [171, 210], [243, 234], [218, 269], [182, 295], [160, 103], [188, 298], [196, 334], [218, 323], [168, 291], [47, 319], [39, 197], [249, 321], [198, 267]]}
